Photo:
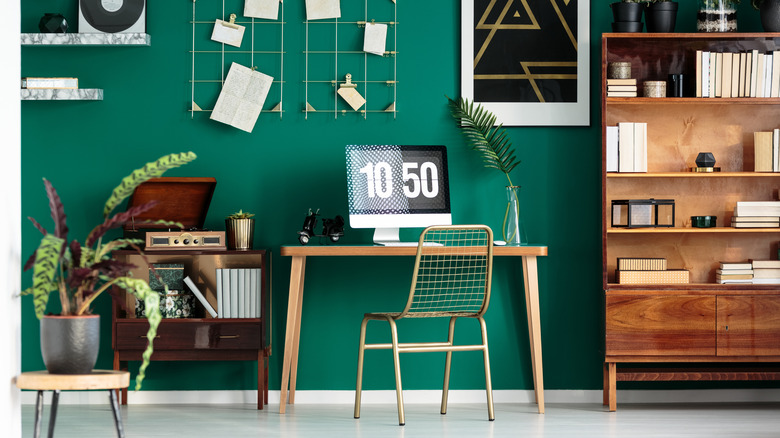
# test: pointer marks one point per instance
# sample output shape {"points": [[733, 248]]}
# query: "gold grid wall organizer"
{"points": [[265, 39], [345, 56]]}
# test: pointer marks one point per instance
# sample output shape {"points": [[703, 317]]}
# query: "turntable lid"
{"points": [[184, 200]]}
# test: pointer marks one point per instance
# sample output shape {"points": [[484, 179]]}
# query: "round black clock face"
{"points": [[112, 16]]}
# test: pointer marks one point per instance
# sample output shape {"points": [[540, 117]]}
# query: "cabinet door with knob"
{"points": [[748, 325]]}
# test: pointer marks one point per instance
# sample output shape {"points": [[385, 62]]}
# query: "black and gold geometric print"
{"points": [[525, 50]]}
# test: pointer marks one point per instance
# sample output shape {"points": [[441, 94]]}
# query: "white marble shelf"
{"points": [[62, 94], [86, 39]]}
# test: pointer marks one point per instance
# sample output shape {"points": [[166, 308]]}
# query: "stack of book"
{"points": [[742, 74], [621, 87], [648, 271], [766, 145], [732, 272], [238, 293], [756, 214], [766, 271], [48, 83], [627, 147]]}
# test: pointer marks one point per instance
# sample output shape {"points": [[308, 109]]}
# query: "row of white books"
{"points": [[756, 214], [741, 74], [627, 147], [753, 272], [238, 293], [766, 146]]}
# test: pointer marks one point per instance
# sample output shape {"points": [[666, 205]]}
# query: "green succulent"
{"points": [[240, 215]]}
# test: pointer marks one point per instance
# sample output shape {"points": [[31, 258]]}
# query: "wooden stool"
{"points": [[98, 379]]}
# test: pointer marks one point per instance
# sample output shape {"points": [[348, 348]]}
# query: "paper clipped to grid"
{"points": [[322, 9], [228, 33], [242, 97], [268, 9], [375, 38]]}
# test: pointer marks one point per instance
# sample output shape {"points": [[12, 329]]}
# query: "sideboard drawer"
{"points": [[191, 334]]}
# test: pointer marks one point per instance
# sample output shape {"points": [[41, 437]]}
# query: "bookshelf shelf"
{"points": [[694, 175], [678, 230], [701, 321], [693, 100]]}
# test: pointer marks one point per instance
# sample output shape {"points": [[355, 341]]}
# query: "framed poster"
{"points": [[527, 60]]}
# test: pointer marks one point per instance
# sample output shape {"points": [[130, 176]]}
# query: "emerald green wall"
{"points": [[287, 166]]}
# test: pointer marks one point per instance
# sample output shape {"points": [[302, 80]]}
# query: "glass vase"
{"points": [[717, 16], [513, 230]]}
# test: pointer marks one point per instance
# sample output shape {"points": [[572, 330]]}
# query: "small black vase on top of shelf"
{"points": [[661, 16], [627, 15]]}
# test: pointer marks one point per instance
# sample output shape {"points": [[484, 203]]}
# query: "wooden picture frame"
{"points": [[528, 68]]}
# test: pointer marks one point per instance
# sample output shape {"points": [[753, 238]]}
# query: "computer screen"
{"points": [[394, 186]]}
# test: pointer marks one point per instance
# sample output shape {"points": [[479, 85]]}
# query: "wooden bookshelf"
{"points": [[700, 322]]}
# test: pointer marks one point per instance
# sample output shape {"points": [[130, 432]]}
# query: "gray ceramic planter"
{"points": [[70, 344]]}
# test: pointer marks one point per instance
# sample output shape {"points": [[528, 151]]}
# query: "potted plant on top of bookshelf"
{"points": [[661, 15], [78, 273], [717, 16], [628, 10], [477, 126], [240, 230], [627, 15], [770, 14]]}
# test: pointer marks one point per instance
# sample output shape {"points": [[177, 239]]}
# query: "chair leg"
{"points": [[447, 365], [397, 363], [361, 351], [486, 356]]}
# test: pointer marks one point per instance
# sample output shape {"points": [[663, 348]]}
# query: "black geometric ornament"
{"points": [[705, 159], [53, 23]]}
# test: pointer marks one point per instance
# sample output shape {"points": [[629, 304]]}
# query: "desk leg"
{"points": [[292, 331], [531, 279]]}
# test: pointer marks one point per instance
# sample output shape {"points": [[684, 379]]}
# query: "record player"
{"points": [[185, 200]]}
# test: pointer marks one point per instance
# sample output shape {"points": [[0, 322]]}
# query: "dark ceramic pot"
{"points": [[661, 16], [627, 11], [770, 15], [69, 344], [627, 26]]}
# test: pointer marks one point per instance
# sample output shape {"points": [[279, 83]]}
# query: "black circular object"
{"points": [[53, 23], [111, 16]]}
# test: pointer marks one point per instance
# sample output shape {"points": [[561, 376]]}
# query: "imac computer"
{"points": [[392, 187]]}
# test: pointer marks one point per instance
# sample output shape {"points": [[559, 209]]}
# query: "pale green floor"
{"points": [[743, 420]]}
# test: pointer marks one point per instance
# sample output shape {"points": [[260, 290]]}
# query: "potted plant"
{"points": [[770, 14], [661, 15], [477, 126], [627, 10], [80, 272], [240, 230]]}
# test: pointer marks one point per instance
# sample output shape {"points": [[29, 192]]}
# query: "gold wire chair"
{"points": [[452, 276]]}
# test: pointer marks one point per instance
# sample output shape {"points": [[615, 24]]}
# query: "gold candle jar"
{"points": [[619, 70], [655, 88]]}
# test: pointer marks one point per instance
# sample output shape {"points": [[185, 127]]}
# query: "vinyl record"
{"points": [[112, 16]]}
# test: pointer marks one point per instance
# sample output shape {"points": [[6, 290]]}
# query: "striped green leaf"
{"points": [[151, 170], [47, 258]]}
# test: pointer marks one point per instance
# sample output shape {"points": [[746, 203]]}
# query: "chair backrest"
{"points": [[452, 272]]}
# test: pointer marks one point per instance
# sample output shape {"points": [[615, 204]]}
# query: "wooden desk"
{"points": [[97, 379], [295, 303]]}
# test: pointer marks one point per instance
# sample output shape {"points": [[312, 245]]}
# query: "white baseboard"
{"points": [[419, 396]]}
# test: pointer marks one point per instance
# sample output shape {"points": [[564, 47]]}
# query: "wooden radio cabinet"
{"points": [[190, 339], [733, 329]]}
